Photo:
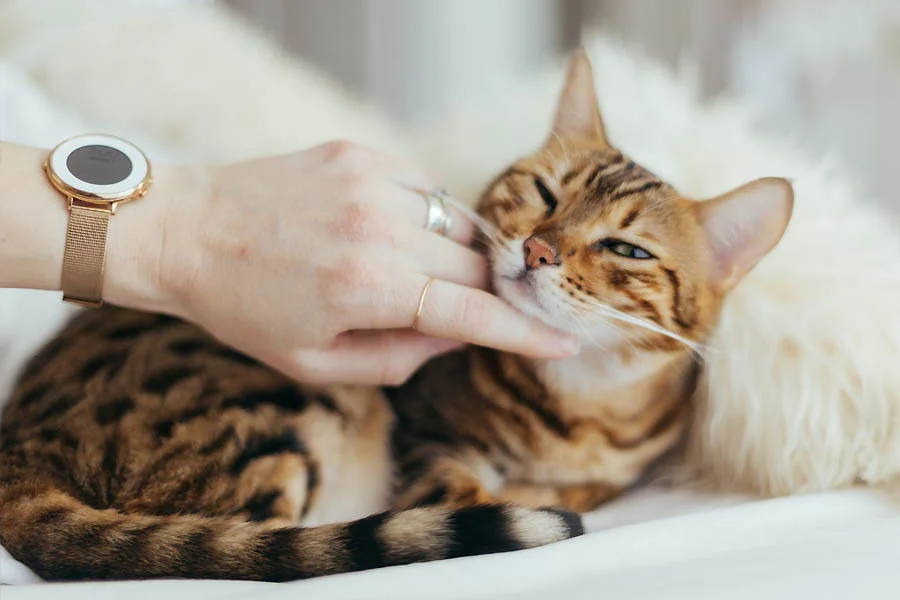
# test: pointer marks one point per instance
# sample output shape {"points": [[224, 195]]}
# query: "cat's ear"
{"points": [[577, 111], [743, 225]]}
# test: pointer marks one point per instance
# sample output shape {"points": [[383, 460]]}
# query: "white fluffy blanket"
{"points": [[804, 392], [800, 391]]}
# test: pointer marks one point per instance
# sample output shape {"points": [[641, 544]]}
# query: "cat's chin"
{"points": [[520, 294]]}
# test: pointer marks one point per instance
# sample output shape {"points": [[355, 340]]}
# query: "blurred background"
{"points": [[826, 72], [413, 56]]}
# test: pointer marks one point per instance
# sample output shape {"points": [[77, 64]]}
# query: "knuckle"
{"points": [[343, 152]]}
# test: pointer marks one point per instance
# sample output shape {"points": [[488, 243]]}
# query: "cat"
{"points": [[137, 446]]}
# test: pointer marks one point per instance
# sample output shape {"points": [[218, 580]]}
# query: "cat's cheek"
{"points": [[508, 260]]}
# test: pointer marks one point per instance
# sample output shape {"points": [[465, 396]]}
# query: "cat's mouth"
{"points": [[522, 288], [520, 291]]}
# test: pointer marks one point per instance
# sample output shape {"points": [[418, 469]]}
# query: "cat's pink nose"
{"points": [[539, 253]]}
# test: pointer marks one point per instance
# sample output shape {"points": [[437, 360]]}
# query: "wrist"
{"points": [[32, 221], [149, 256], [149, 252]]}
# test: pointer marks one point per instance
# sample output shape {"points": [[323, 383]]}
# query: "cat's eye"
{"points": [[625, 249], [546, 195]]}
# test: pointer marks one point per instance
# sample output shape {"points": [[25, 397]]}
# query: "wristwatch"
{"points": [[95, 173]]}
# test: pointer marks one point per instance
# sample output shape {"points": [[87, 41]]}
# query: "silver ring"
{"points": [[437, 218], [448, 217]]}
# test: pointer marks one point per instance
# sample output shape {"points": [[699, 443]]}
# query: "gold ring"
{"points": [[415, 323]]}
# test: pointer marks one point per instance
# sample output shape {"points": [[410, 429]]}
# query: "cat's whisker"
{"points": [[698, 351], [585, 307], [590, 310], [587, 334], [590, 336], [650, 326], [482, 225], [608, 326], [573, 316], [488, 238], [562, 145], [625, 334]]}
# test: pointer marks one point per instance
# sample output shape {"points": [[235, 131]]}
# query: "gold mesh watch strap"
{"points": [[85, 255]]}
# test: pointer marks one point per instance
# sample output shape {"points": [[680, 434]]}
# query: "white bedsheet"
{"points": [[656, 543]]}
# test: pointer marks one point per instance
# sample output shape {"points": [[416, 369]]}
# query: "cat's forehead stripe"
{"points": [[611, 180], [643, 188], [603, 163], [630, 217], [568, 177]]}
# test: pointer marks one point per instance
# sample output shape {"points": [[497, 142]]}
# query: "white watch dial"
{"points": [[99, 165]]}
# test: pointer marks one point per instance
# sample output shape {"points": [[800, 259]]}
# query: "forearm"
{"points": [[33, 218]]}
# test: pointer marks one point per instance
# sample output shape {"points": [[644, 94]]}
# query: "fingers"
{"points": [[461, 229], [407, 185], [378, 284], [371, 357], [410, 204], [476, 317], [461, 313], [350, 156], [438, 257]]}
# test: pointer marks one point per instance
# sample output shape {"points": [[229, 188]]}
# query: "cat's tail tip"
{"points": [[436, 533], [539, 527]]}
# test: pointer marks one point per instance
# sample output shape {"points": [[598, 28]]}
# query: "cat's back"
{"points": [[110, 361], [152, 414]]}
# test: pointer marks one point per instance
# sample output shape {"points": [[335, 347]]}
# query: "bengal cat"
{"points": [[136, 446]]}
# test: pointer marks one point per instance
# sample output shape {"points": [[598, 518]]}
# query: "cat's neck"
{"points": [[622, 381]]}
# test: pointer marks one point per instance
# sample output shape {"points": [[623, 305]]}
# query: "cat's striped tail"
{"points": [[61, 538]]}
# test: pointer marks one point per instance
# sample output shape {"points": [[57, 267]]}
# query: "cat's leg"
{"points": [[578, 497], [462, 483], [277, 488], [451, 481]]}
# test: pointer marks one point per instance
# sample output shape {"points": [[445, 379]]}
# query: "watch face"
{"points": [[100, 165], [99, 168]]}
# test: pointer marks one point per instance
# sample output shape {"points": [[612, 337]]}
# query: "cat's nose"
{"points": [[539, 253]]}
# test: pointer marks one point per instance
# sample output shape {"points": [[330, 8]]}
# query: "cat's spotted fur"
{"points": [[136, 446]]}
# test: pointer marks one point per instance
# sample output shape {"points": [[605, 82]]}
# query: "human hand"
{"points": [[315, 262]]}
